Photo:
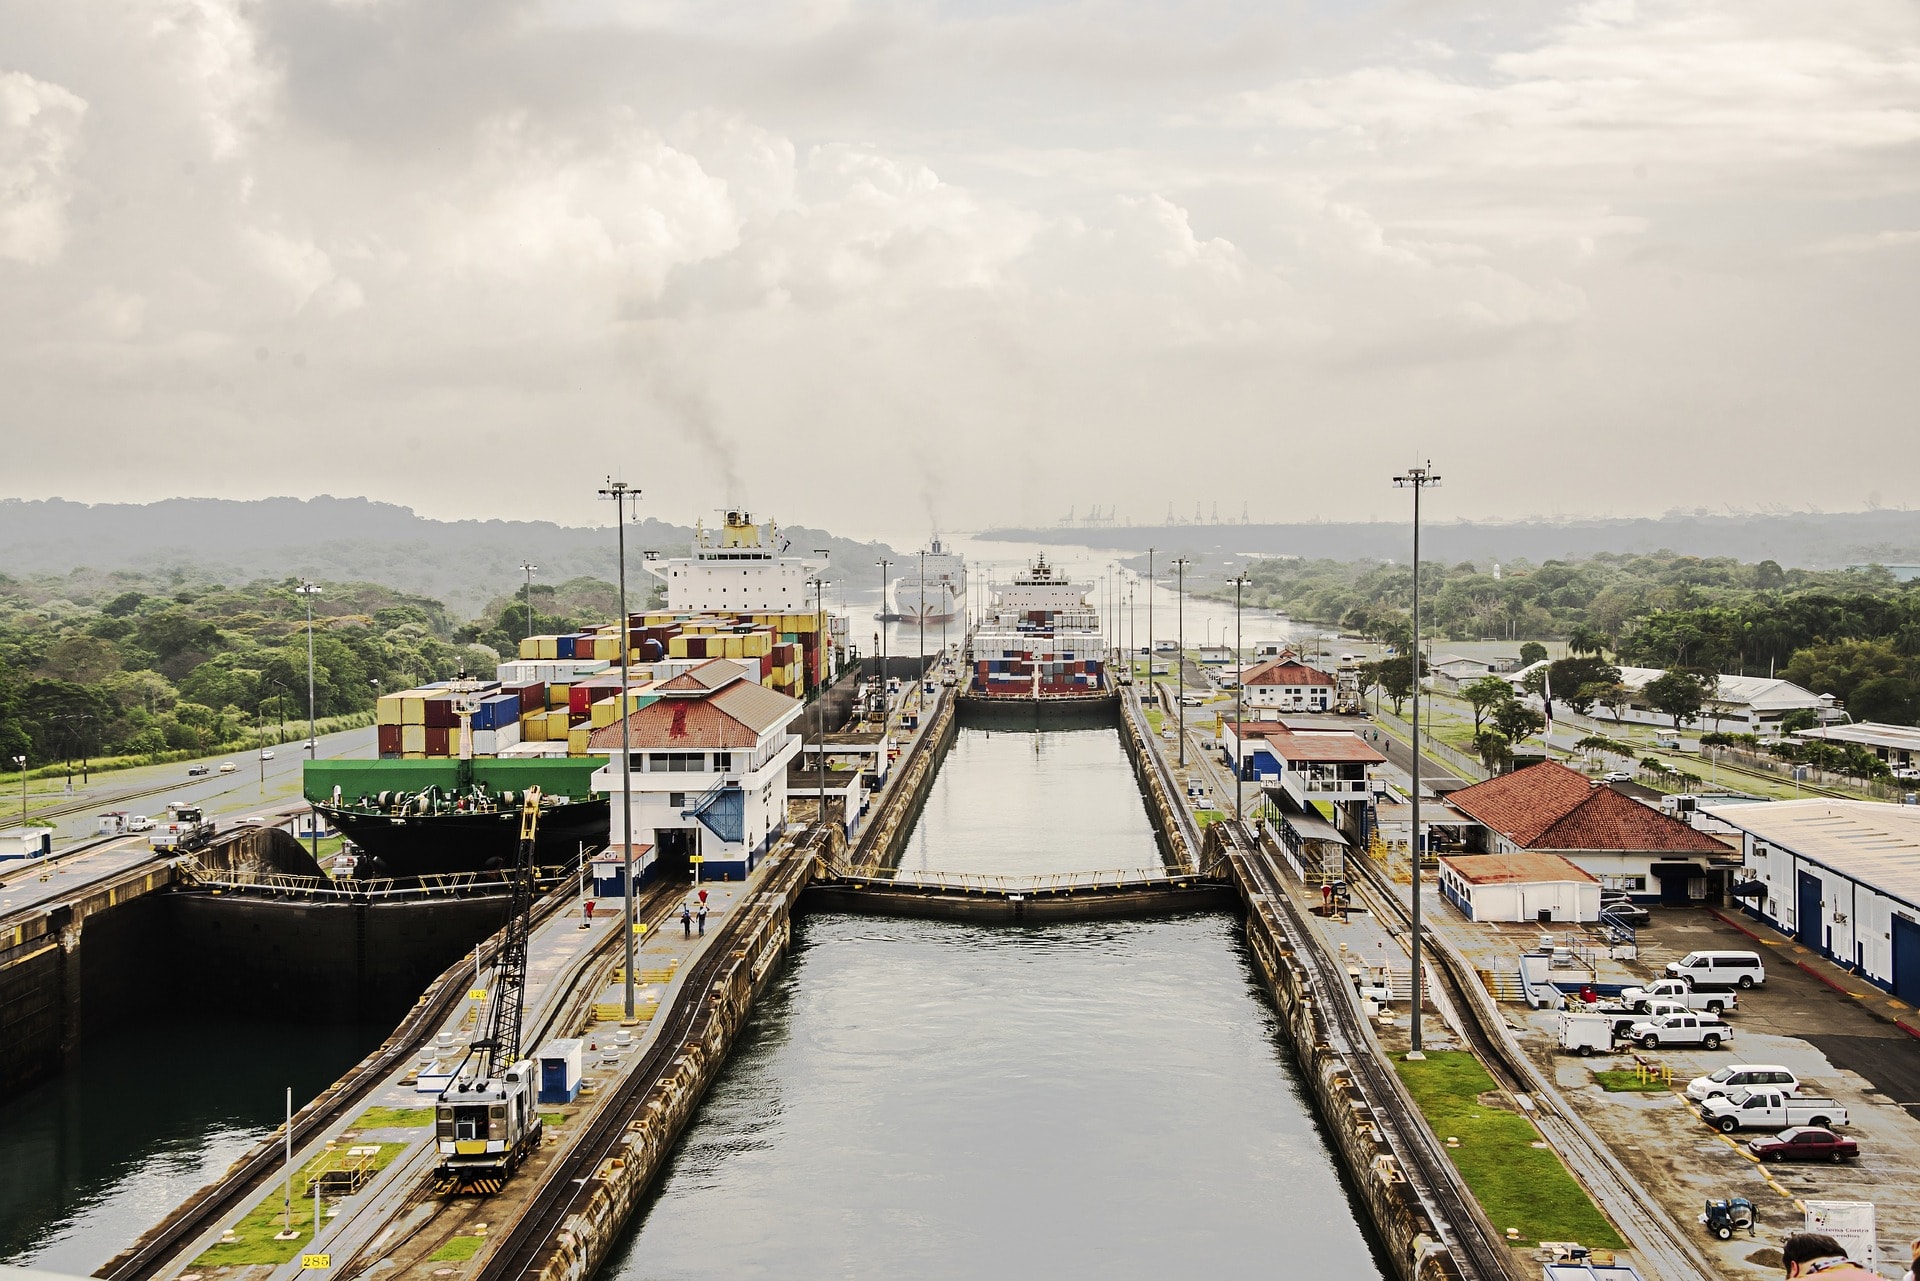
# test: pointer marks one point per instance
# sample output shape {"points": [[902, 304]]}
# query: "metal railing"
{"points": [[451, 885], [1055, 883]]}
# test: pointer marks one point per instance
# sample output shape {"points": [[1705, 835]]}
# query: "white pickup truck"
{"points": [[1769, 1109], [1680, 992], [1703, 1030]]}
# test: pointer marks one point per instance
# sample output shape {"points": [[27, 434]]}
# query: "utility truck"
{"points": [[1680, 992], [187, 828], [1703, 1030], [1769, 1109]]}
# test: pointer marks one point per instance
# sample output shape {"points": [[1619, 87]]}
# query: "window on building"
{"points": [[676, 799], [676, 762], [723, 760]]}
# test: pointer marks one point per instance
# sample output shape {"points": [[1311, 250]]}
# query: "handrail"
{"points": [[990, 883], [288, 883]]}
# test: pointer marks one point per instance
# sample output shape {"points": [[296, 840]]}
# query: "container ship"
{"points": [[934, 592], [1040, 640], [455, 757]]}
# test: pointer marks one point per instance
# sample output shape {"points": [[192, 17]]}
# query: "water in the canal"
{"points": [[95, 1157], [935, 1100]]}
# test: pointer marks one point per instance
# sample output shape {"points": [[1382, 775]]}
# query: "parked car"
{"points": [[1804, 1143], [140, 823], [266, 754], [195, 771], [1763, 1107], [1719, 969], [228, 767], [1907, 774], [1739, 1076], [1703, 1030], [1617, 776], [1679, 992], [1626, 911]]}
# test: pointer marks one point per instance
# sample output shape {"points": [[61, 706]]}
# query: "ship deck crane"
{"points": [[487, 1122]]}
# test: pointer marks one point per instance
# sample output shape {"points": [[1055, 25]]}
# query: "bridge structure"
{"points": [[1059, 896]]}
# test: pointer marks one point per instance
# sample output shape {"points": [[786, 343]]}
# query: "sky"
{"points": [[880, 266]]}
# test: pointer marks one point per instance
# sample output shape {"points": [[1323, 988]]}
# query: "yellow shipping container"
{"points": [[387, 710], [533, 727], [607, 647], [758, 644], [413, 756], [547, 646], [530, 648], [677, 646], [413, 738], [413, 711], [577, 740], [557, 695]]}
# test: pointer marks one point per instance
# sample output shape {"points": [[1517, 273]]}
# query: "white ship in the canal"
{"points": [[739, 568], [933, 590], [1040, 639]]}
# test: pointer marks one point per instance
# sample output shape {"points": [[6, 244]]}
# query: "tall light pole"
{"points": [[819, 586], [1417, 479], [309, 591], [1152, 583], [527, 567], [618, 491], [20, 763], [921, 680], [1180, 650], [1239, 719], [886, 704]]}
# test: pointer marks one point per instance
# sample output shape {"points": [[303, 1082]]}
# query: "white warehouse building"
{"points": [[1738, 704], [1840, 877]]}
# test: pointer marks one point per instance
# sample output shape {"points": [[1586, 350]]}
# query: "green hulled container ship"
{"points": [[442, 816]]}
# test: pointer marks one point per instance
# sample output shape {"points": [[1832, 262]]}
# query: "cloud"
{"points": [[39, 131]]}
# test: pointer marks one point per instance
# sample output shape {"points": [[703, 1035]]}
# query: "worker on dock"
{"points": [[703, 916], [686, 921]]}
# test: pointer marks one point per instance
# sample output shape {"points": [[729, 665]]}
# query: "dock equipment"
{"points": [[486, 1122]]}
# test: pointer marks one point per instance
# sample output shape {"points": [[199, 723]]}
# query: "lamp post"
{"points": [[1239, 727], [1417, 479], [819, 586], [886, 704], [921, 680], [1180, 650], [1152, 583], [527, 567], [309, 591], [20, 763], [618, 491]]}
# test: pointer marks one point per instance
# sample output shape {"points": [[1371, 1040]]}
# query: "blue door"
{"points": [[1807, 925], [1906, 960]]}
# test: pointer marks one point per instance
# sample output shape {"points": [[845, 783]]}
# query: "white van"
{"points": [[1719, 969], [1732, 1080]]}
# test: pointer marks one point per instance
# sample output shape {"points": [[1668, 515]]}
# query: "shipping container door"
{"points": [[1906, 960], [1807, 924]]}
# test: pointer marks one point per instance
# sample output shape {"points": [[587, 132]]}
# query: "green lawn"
{"points": [[1519, 1185], [378, 1118], [1619, 1080], [254, 1234], [456, 1249]]}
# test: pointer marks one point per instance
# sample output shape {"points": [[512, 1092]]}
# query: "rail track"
{"points": [[1482, 1252], [1646, 1224], [215, 1201], [523, 1248]]}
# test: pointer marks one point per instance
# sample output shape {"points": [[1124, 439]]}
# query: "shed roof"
{"points": [[1310, 746], [1905, 738], [1515, 869], [1285, 671], [735, 714], [1875, 842], [1550, 807]]}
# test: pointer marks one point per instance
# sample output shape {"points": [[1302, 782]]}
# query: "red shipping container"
{"points": [[440, 713], [438, 740], [766, 666], [389, 739], [533, 697]]}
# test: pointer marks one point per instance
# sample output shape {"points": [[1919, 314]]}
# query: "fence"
{"points": [[1457, 761]]}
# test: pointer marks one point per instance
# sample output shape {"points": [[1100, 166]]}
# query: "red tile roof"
{"points": [[1515, 869], [1550, 807], [1310, 745], [1285, 671]]}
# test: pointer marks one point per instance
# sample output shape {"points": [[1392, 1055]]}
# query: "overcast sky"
{"points": [[868, 265]]}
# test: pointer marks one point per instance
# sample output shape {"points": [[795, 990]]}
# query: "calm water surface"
{"points": [[932, 1100]]}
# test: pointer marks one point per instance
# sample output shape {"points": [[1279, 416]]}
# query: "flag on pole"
{"points": [[1546, 696]]}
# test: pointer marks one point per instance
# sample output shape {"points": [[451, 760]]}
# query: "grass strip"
{"points": [[1518, 1185], [384, 1118], [1620, 1081], [455, 1250], [253, 1241]]}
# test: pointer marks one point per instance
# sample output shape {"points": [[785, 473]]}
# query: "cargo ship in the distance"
{"points": [[934, 590], [1040, 640]]}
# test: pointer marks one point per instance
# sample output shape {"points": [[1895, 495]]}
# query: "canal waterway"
{"points": [[932, 1099], [152, 1112]]}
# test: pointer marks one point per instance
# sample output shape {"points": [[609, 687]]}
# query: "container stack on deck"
{"points": [[563, 687]]}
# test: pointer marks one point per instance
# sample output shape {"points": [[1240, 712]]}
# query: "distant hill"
{"points": [[463, 563], [1794, 539]]}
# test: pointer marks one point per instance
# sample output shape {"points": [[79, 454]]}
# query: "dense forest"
{"points": [[131, 664], [1851, 633]]}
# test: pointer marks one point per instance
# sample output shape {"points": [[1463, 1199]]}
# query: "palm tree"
{"points": [[1583, 639]]}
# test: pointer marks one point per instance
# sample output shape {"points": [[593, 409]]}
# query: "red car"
{"points": [[1804, 1143]]}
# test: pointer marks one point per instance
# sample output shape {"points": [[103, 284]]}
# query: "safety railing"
{"points": [[451, 885], [1055, 883]]}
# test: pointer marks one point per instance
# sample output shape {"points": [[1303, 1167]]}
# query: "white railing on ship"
{"points": [[451, 884], [1058, 882]]}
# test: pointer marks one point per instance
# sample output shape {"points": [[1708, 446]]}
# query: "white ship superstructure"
{"points": [[1040, 637], [738, 568], [934, 588]]}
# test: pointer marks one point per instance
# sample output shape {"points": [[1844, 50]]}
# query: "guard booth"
{"points": [[609, 870], [560, 1061]]}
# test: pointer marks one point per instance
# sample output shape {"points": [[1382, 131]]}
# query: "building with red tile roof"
{"points": [[1549, 808], [1288, 685], [1519, 887]]}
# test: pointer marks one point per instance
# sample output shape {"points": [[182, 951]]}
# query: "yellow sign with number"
{"points": [[639, 927], [318, 1262], [697, 858], [476, 994]]}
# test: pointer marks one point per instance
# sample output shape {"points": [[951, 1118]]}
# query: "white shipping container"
{"points": [[483, 742], [506, 736]]}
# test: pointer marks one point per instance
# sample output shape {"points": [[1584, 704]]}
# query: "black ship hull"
{"points": [[404, 845]]}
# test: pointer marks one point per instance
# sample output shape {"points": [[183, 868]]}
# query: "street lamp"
{"points": [[1180, 651], [528, 567], [819, 586], [618, 491], [1152, 583], [20, 763], [1417, 479], [886, 705], [1239, 726], [309, 591]]}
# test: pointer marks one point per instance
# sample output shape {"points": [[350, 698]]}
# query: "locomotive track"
{"points": [[1645, 1223], [219, 1199], [523, 1248], [1481, 1251]]}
